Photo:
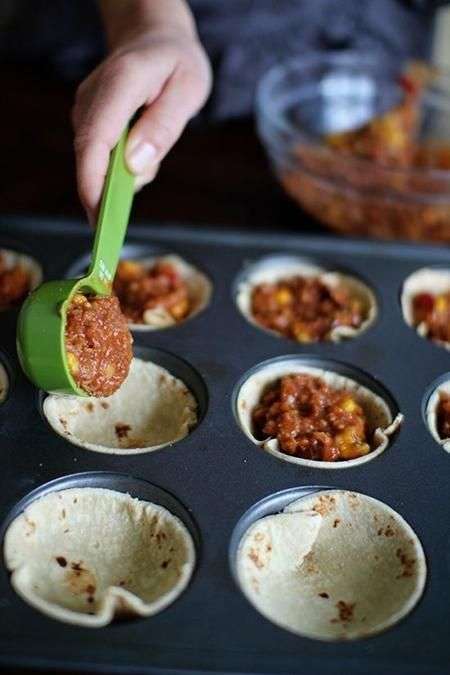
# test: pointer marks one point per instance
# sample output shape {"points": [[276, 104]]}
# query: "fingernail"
{"points": [[140, 157]]}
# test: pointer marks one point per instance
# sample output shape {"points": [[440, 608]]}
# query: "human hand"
{"points": [[166, 71]]}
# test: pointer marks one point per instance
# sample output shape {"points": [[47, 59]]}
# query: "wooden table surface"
{"points": [[216, 174]]}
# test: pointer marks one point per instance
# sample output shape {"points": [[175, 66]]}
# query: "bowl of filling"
{"points": [[361, 143]]}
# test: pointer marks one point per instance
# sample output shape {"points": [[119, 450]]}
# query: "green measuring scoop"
{"points": [[42, 319]]}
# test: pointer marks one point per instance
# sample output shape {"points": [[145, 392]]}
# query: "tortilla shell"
{"points": [[277, 268], [12, 258], [151, 409], [4, 383], [425, 280], [199, 290], [378, 414], [345, 567], [86, 555], [431, 414]]}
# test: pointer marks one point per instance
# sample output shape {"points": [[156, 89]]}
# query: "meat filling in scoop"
{"points": [[98, 344], [312, 420]]}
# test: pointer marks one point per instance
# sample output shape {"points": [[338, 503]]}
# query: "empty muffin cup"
{"points": [[87, 555], [295, 298], [152, 409], [333, 565], [353, 427]]}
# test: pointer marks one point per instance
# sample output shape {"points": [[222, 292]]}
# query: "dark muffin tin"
{"points": [[212, 477]]}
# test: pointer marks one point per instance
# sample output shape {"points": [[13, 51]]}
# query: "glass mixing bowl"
{"points": [[305, 98]]}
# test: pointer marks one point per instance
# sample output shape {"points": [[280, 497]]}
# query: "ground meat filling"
{"points": [[311, 420], [305, 309], [98, 344], [434, 312], [14, 284], [443, 416], [141, 289]]}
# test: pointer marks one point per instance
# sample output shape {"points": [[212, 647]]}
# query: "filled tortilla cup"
{"points": [[335, 565], [150, 410], [425, 280], [30, 276], [86, 555], [279, 268], [4, 383], [199, 289], [432, 414], [380, 422]]}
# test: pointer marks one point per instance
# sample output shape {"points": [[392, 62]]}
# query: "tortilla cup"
{"points": [[151, 409], [378, 414], [86, 555], [335, 565], [431, 414], [31, 266], [199, 290], [425, 280], [4, 383], [276, 268]]}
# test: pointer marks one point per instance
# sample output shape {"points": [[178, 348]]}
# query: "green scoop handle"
{"points": [[42, 319]]}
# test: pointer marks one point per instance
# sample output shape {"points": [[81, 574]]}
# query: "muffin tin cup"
{"points": [[274, 531], [381, 410], [79, 572], [277, 267]]}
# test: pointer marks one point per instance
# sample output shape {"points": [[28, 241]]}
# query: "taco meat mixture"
{"points": [[311, 420], [351, 197], [305, 309], [443, 416], [160, 286], [434, 312], [14, 284], [98, 344]]}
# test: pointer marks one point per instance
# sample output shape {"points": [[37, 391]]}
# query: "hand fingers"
{"points": [[103, 107], [162, 123]]}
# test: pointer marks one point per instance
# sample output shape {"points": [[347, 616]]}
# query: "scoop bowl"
{"points": [[42, 319]]}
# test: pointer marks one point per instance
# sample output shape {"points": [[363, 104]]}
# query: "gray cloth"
{"points": [[245, 37]]}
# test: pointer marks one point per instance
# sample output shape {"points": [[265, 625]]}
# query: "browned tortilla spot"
{"points": [[254, 557], [345, 610], [122, 430]]}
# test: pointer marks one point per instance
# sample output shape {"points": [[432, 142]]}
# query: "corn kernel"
{"points": [[350, 444], [72, 362], [179, 310], [283, 296], [128, 269], [78, 299], [301, 334], [109, 370], [349, 405], [441, 303]]}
